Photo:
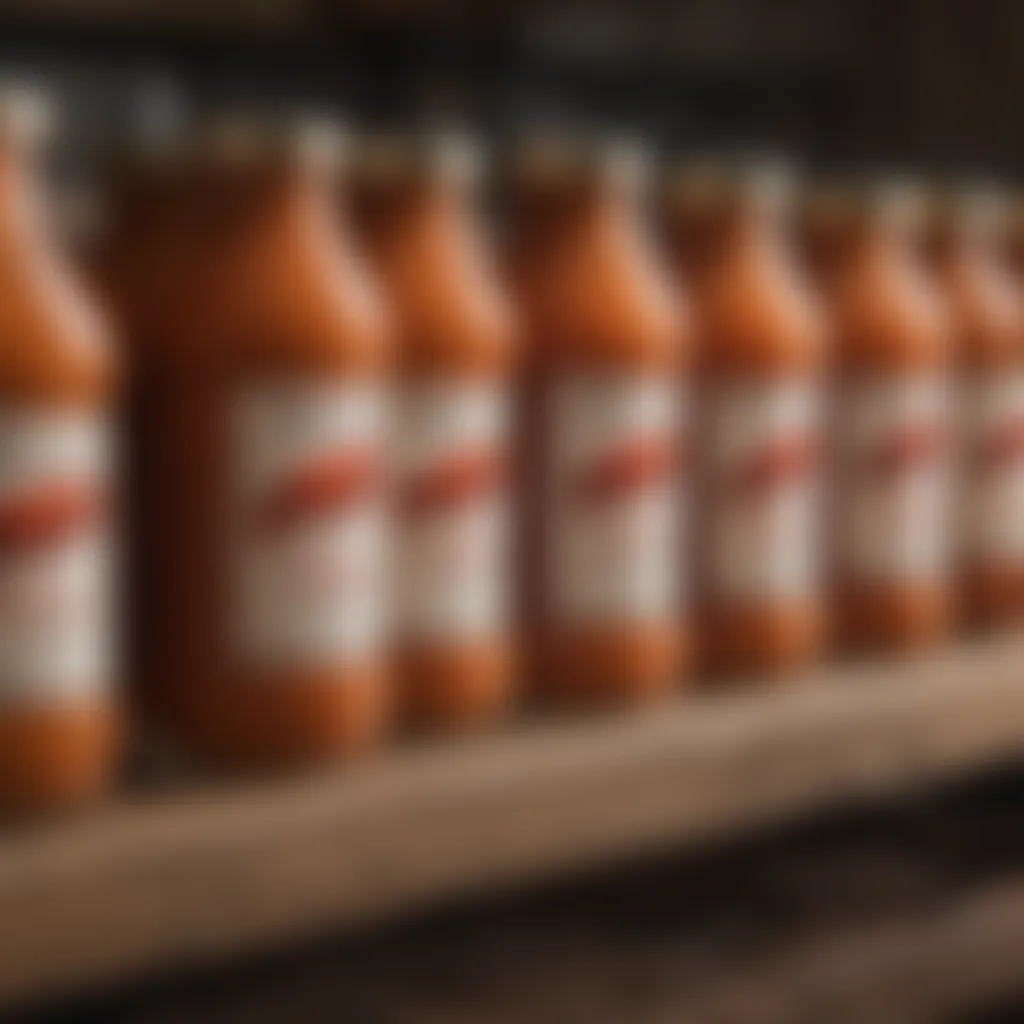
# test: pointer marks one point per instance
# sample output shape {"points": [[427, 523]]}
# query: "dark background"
{"points": [[913, 84]]}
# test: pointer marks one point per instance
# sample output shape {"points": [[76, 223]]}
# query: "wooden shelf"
{"points": [[173, 879]]}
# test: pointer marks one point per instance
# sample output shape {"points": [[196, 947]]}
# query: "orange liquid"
{"points": [[455, 341], [250, 283], [758, 329], [58, 745], [887, 323], [987, 319], [596, 303]]}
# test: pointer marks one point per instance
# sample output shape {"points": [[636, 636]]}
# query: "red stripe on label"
{"points": [[48, 514]]}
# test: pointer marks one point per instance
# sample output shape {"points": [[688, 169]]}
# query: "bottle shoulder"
{"points": [[986, 314], [57, 342], [286, 302], [450, 309], [614, 305], [757, 312], [889, 313]]}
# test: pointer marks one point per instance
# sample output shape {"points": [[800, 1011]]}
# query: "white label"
{"points": [[452, 546], [613, 509], [308, 524], [993, 468], [760, 536], [892, 485], [55, 556]]}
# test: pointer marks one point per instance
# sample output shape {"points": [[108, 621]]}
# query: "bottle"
{"points": [[891, 490], [454, 355], [760, 377], [604, 398], [260, 348], [59, 715], [987, 321]]}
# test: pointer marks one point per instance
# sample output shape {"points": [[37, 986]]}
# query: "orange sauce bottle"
{"points": [[760, 366], [58, 650], [987, 318], [454, 353], [891, 428], [260, 348], [604, 398]]}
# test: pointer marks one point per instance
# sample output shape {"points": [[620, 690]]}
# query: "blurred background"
{"points": [[910, 83], [929, 86]]}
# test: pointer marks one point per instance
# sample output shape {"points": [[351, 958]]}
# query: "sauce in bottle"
{"points": [[260, 353], [891, 429], [604, 398], [760, 366], [453, 589], [58, 713], [987, 319]]}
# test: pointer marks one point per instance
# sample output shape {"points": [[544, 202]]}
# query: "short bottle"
{"points": [[760, 362], [987, 321], [59, 709], [892, 427], [603, 406], [258, 461], [418, 207]]}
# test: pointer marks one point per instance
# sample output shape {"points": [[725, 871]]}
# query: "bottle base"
{"points": [[269, 722], [761, 641], [54, 759], [611, 666], [893, 618], [456, 688]]}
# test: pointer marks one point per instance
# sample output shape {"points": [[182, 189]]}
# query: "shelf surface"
{"points": [[176, 878]]}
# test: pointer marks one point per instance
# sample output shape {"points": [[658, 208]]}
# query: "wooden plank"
{"points": [[928, 967], [177, 878]]}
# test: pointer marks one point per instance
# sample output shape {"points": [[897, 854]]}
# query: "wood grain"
{"points": [[175, 878]]}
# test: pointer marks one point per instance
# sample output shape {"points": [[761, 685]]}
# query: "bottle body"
{"points": [[457, 651], [892, 541], [987, 322], [760, 364], [260, 405], [604, 434], [59, 714]]}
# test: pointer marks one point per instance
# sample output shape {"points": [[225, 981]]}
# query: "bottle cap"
{"points": [[444, 155], [557, 160], [704, 184], [240, 137]]}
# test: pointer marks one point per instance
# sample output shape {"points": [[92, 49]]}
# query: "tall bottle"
{"points": [[260, 355], [603, 403], [892, 426], [418, 210], [760, 367], [987, 320], [59, 720]]}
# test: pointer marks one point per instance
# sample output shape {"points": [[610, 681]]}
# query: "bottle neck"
{"points": [[420, 207], [226, 202], [545, 220], [880, 238]]}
